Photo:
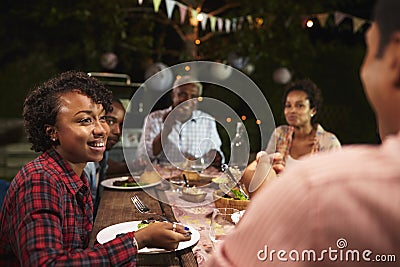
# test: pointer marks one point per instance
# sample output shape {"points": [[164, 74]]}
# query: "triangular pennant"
{"points": [[194, 14], [140, 2], [234, 21], [240, 24], [339, 17], [182, 12], [227, 25], [250, 20], [357, 23], [322, 18], [170, 7], [204, 21], [213, 21], [220, 22], [156, 4]]}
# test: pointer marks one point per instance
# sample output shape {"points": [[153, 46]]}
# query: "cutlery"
{"points": [[225, 168], [186, 180], [143, 208]]}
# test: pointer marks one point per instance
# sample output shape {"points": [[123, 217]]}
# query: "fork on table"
{"points": [[225, 168], [142, 208]]}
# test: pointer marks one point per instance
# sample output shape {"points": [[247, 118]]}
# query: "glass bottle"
{"points": [[239, 148]]}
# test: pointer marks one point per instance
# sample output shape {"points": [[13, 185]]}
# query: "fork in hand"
{"points": [[142, 208]]}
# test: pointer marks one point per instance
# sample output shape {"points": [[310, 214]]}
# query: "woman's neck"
{"points": [[304, 131], [77, 167]]}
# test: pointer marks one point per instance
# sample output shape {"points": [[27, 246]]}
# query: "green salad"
{"points": [[238, 195]]}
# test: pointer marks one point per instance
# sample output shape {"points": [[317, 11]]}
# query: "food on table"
{"points": [[149, 177], [130, 182], [238, 195], [193, 190], [227, 200], [220, 180], [145, 223], [193, 194], [191, 175]]}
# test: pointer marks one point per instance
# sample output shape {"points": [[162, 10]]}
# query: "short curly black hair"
{"points": [[314, 94], [42, 104]]}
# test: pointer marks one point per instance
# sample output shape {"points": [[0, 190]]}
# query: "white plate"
{"points": [[110, 232], [109, 183]]}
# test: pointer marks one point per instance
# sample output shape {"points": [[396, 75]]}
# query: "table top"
{"points": [[116, 207]]}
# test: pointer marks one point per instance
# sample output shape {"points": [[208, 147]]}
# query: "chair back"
{"points": [[3, 190]]}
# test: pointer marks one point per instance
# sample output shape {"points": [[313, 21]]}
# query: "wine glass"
{"points": [[222, 223]]}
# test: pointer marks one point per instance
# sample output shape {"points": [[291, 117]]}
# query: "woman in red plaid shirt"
{"points": [[47, 215]]}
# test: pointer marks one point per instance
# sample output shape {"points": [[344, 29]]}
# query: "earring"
{"points": [[53, 139], [312, 115]]}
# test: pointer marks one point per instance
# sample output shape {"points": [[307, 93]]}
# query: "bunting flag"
{"points": [[339, 17], [170, 4], [204, 21], [240, 25], [213, 22], [182, 12], [234, 24], [357, 24], [250, 20], [194, 14], [156, 4], [227, 25], [234, 21], [322, 18], [220, 23]]}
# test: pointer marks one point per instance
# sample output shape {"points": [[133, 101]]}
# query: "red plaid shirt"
{"points": [[47, 218]]}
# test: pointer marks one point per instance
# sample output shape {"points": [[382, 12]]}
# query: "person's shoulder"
{"points": [[158, 113], [282, 129], [42, 168], [352, 163], [327, 138], [201, 113], [324, 133]]}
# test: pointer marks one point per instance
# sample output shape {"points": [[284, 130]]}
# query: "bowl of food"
{"points": [[223, 200], [193, 194]]}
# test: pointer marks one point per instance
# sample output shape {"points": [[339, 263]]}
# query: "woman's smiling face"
{"points": [[297, 109], [81, 128]]}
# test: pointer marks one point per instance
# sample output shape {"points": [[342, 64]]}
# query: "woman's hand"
{"points": [[162, 235], [278, 162], [259, 173]]}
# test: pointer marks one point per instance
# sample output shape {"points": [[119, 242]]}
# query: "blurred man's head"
{"points": [[115, 119], [380, 71], [184, 97]]}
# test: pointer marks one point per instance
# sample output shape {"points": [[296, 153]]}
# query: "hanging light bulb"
{"points": [[200, 17]]}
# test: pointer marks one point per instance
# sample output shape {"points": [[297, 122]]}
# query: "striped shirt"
{"points": [[47, 218], [341, 210]]}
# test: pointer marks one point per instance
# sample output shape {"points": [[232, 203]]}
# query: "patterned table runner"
{"points": [[197, 215]]}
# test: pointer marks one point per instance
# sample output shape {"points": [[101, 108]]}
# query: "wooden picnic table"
{"points": [[116, 207]]}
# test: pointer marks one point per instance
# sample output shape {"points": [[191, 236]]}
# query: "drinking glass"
{"points": [[222, 223]]}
